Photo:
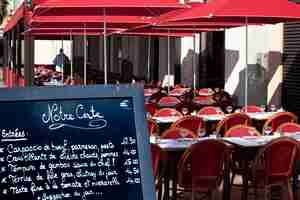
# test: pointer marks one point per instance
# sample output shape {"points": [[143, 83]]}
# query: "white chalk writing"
{"points": [[56, 117]]}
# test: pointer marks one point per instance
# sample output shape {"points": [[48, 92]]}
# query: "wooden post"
{"points": [[29, 58]]}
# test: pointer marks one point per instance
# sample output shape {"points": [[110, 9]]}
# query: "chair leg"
{"points": [[288, 192], [255, 192], [232, 178], [267, 193], [295, 185], [210, 195], [159, 192], [245, 187]]}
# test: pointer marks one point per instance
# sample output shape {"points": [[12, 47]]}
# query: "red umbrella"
{"points": [[237, 11], [105, 8], [257, 11], [90, 21]]}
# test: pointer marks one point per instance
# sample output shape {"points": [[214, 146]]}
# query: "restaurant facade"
{"points": [[219, 58]]}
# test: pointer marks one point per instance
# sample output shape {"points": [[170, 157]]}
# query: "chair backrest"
{"points": [[151, 107], [152, 127], [192, 123], [175, 133], [200, 101], [201, 165], [288, 128], [252, 109], [168, 101], [150, 91], [278, 158], [232, 120], [210, 110], [241, 131], [205, 91], [167, 112], [180, 85], [279, 118]]}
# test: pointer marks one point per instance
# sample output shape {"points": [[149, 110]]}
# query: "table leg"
{"points": [[295, 185], [174, 186], [226, 187], [245, 166], [166, 186]]}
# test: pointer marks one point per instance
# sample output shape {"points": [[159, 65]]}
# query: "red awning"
{"points": [[122, 22], [67, 32], [110, 3], [13, 21], [256, 11], [44, 33], [112, 7]]}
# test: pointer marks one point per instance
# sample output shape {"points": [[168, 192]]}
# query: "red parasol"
{"points": [[105, 8], [237, 11]]}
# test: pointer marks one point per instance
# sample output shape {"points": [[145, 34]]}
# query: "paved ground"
{"points": [[236, 194]]}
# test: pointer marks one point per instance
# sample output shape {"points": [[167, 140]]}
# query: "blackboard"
{"points": [[74, 143]]}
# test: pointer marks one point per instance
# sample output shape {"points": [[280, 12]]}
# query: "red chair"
{"points": [[175, 133], [232, 120], [151, 108], [181, 85], [203, 100], [279, 118], [200, 168], [288, 128], [237, 166], [242, 131], [210, 110], [252, 109], [205, 92], [152, 127], [192, 123], [168, 101], [167, 112], [273, 165]]}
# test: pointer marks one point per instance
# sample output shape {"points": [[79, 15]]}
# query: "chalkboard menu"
{"points": [[74, 143]]}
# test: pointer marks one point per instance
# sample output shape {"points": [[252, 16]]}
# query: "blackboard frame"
{"points": [[98, 91]]}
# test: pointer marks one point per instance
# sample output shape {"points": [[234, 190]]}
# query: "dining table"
{"points": [[178, 146], [212, 119]]}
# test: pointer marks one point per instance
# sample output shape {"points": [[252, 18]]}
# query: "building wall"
{"points": [[264, 64], [189, 59]]}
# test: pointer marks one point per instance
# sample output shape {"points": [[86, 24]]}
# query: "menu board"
{"points": [[74, 143]]}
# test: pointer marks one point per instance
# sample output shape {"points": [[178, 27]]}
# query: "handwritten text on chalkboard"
{"points": [[76, 169], [57, 118]]}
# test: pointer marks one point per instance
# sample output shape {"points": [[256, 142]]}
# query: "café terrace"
{"points": [[151, 99]]}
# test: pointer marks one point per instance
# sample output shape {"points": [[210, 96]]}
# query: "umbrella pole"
{"points": [[85, 55], [63, 61], [71, 60], [104, 49], [246, 60], [11, 61], [168, 61], [148, 59], [194, 62]]}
